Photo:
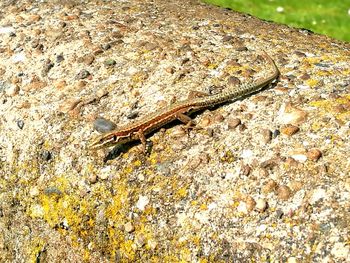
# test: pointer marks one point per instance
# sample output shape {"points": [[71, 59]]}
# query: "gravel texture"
{"points": [[265, 178]]}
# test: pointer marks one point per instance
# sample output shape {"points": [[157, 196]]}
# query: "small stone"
{"points": [[69, 105], [218, 117], [242, 48], [300, 54], [46, 155], [34, 18], [284, 192], [60, 84], [279, 214], [92, 178], [250, 203], [83, 74], [109, 62], [233, 81], [289, 129], [245, 170], [263, 172], [140, 240], [233, 123], [210, 132], [261, 205], [152, 244], [12, 90], [103, 125], [266, 135], [20, 124], [298, 155], [227, 38], [242, 127], [314, 154], [291, 115], [305, 76], [59, 58], [276, 133], [129, 227], [132, 115], [88, 59], [269, 187], [48, 65], [142, 202], [106, 46], [205, 122]]}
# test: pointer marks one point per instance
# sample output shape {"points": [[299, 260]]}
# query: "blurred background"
{"points": [[328, 17]]}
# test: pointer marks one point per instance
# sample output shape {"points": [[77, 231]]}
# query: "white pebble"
{"points": [[142, 202], [280, 9]]}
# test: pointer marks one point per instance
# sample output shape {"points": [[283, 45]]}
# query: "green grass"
{"points": [[326, 17]]}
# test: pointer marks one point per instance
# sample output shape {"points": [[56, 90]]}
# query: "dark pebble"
{"points": [[103, 125], [132, 115], [20, 124], [46, 155], [242, 49], [276, 133], [59, 58], [47, 66], [279, 214], [83, 74]]}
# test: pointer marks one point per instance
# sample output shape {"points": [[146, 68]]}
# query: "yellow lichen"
{"points": [[312, 82]]}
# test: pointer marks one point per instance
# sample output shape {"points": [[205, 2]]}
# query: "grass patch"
{"points": [[326, 17]]}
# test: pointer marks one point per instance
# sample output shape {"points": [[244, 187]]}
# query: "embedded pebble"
{"points": [[142, 202], [83, 74], [109, 62], [12, 90], [20, 124], [250, 203], [233, 81], [46, 155], [261, 205], [276, 133], [269, 187], [103, 125], [88, 59], [314, 154], [291, 115], [266, 135], [132, 115], [289, 129], [233, 123], [129, 227], [218, 117], [205, 121], [93, 178], [263, 172], [284, 192], [305, 76], [140, 240], [245, 170]]}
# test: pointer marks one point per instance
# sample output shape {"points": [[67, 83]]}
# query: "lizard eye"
{"points": [[114, 137]]}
